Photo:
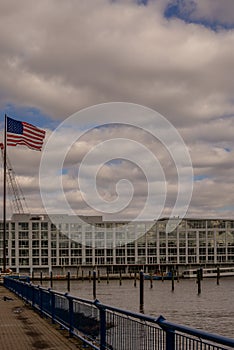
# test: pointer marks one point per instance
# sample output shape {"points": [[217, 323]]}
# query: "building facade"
{"points": [[66, 243]]}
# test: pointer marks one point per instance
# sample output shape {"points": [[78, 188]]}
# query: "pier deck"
{"points": [[21, 328]]}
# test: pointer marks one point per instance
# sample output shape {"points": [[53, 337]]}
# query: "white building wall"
{"points": [[193, 242]]}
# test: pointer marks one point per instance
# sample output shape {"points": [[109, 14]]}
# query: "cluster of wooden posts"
{"points": [[94, 277]]}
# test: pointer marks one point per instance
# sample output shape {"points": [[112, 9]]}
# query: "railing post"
{"points": [[71, 315], [102, 311], [68, 281], [170, 334], [170, 339], [40, 301], [33, 295], [52, 299]]}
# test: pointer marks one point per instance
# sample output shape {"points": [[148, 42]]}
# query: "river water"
{"points": [[212, 310]]}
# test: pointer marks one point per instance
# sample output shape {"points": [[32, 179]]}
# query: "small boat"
{"points": [[209, 272], [159, 276]]}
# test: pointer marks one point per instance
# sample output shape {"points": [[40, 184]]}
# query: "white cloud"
{"points": [[63, 58]]}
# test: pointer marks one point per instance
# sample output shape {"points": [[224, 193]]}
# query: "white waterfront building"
{"points": [[62, 243]]}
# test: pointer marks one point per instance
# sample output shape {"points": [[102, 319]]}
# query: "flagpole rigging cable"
{"points": [[18, 202], [4, 197]]}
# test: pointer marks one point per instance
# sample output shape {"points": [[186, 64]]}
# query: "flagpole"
{"points": [[4, 197]]}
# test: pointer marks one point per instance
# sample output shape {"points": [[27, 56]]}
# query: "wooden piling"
{"points": [[162, 276], [99, 276], [41, 277], [151, 280], [120, 278], [141, 291], [135, 278], [172, 281], [51, 279], [218, 275], [107, 277], [94, 284], [199, 281], [68, 281]]}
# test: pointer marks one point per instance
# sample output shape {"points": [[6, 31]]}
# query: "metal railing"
{"points": [[102, 327]]}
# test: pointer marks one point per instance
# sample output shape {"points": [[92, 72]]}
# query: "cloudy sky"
{"points": [[175, 57]]}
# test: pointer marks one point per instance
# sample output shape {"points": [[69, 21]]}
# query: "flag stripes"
{"points": [[23, 133]]}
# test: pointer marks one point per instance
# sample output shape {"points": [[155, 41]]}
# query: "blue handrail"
{"points": [[106, 327]]}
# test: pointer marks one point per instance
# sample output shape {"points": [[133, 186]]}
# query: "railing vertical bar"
{"points": [[102, 328], [71, 316], [40, 301], [52, 298]]}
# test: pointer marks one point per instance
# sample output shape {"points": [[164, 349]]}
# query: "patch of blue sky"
{"points": [[113, 162], [226, 208], [138, 2], [64, 171], [28, 114], [200, 177], [142, 2], [177, 9]]}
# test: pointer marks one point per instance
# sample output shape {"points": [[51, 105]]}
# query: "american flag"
{"points": [[23, 133]]}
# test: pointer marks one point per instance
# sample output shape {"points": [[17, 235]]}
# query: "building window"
{"points": [[44, 252], [64, 252], [44, 226], [120, 261], [141, 252], [23, 225], [53, 252], [23, 261], [35, 226], [53, 236], [89, 261], [36, 261], [131, 260], [64, 244], [35, 252], [44, 244], [53, 261], [44, 261], [53, 244], [76, 261], [120, 252], [88, 252], [99, 252], [109, 261], [23, 252], [35, 235], [44, 235], [23, 235], [152, 251], [130, 252], [23, 244], [35, 244]]}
